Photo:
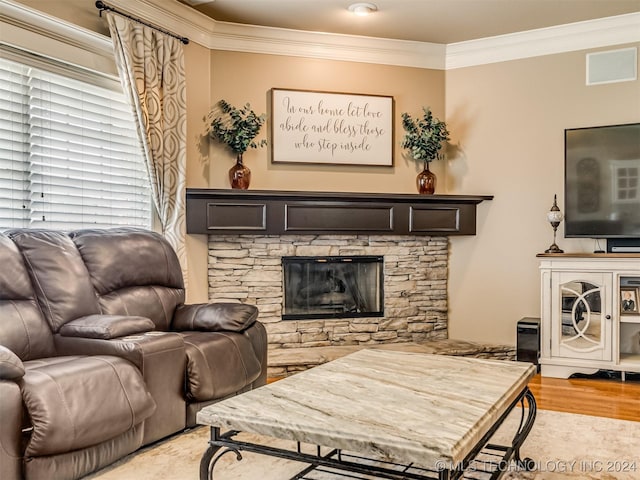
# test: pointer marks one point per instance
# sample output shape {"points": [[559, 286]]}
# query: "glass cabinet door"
{"points": [[581, 308]]}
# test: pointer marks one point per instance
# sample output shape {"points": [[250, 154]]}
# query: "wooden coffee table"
{"points": [[384, 414]]}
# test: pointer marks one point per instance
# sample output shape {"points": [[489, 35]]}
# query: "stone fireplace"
{"points": [[250, 232], [249, 268]]}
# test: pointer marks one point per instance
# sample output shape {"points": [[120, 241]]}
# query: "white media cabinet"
{"points": [[584, 328]]}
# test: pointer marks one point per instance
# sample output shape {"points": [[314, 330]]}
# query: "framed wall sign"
{"points": [[331, 128]]}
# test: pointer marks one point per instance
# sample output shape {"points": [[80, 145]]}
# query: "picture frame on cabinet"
{"points": [[629, 301]]}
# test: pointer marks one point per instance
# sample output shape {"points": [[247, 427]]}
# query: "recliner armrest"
{"points": [[11, 366], [106, 326], [135, 348], [215, 317]]}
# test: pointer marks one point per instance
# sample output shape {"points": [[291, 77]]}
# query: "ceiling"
{"points": [[435, 21]]}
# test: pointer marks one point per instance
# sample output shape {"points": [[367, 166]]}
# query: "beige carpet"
{"points": [[564, 446]]}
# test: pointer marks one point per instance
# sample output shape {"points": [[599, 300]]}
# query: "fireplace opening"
{"points": [[333, 287]]}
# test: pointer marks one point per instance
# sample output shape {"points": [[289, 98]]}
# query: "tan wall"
{"points": [[243, 77], [508, 120], [198, 80]]}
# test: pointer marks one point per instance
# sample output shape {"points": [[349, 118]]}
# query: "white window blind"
{"points": [[69, 153], [14, 142]]}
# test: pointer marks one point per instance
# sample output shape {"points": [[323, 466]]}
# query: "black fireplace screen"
{"points": [[332, 287]]}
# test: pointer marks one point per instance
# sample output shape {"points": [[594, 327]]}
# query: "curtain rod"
{"points": [[102, 7]]}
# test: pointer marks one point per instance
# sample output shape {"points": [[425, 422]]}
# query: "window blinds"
{"points": [[14, 141], [69, 154]]}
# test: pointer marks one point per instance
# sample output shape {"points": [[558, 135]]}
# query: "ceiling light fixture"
{"points": [[363, 9]]}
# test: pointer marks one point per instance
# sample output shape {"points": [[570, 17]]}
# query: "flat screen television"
{"points": [[602, 182]]}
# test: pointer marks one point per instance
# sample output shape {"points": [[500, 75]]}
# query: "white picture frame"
{"points": [[328, 128]]}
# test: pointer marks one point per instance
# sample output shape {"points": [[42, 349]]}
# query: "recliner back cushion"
{"points": [[133, 271], [23, 329], [58, 275], [150, 301]]}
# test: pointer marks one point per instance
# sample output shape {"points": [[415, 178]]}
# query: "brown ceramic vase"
{"points": [[426, 181], [239, 174]]}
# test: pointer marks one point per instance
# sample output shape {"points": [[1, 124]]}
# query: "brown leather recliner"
{"points": [[136, 272], [61, 416], [70, 306], [90, 281]]}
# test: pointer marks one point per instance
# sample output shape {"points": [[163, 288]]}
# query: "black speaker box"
{"points": [[528, 341]]}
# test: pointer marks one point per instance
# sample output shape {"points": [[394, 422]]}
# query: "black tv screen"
{"points": [[602, 181]]}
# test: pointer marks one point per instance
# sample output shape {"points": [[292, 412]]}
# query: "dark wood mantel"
{"points": [[218, 212]]}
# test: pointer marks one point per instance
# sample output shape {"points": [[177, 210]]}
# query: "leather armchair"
{"points": [[97, 317], [55, 419], [136, 272], [94, 285], [70, 307]]}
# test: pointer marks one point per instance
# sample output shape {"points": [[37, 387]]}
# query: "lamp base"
{"points": [[554, 249]]}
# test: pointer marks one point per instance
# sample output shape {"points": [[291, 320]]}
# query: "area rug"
{"points": [[563, 446]]}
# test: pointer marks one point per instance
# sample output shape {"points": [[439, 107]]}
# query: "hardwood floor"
{"points": [[589, 396]]}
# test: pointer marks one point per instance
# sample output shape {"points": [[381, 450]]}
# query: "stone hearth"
{"points": [[248, 268], [287, 361]]}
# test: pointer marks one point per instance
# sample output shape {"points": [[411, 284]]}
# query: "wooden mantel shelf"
{"points": [[220, 212]]}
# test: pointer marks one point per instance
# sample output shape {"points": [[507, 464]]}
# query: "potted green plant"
{"points": [[237, 128], [423, 139]]}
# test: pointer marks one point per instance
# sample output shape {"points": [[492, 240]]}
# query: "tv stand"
{"points": [[623, 245], [585, 326]]}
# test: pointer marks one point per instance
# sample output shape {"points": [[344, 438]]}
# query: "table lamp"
{"points": [[554, 216]]}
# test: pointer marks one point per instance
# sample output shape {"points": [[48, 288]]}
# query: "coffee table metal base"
{"points": [[494, 462]]}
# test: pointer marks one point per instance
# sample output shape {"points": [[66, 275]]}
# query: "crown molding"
{"points": [[25, 28], [603, 32], [218, 35], [350, 48]]}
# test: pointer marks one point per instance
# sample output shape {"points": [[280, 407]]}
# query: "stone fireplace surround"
{"points": [[248, 268], [250, 231]]}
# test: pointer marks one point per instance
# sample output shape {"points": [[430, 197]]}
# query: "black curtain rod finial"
{"points": [[100, 6]]}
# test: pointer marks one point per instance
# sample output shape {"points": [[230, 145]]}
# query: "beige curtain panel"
{"points": [[151, 67]]}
